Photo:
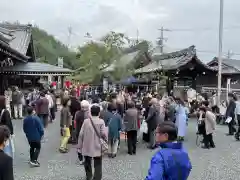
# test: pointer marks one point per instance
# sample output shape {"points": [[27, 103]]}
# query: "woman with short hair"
{"points": [[89, 143], [6, 162], [82, 114], [210, 125], [114, 126], [5, 119], [65, 123]]}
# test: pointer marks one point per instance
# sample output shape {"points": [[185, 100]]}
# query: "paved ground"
{"points": [[223, 162]]}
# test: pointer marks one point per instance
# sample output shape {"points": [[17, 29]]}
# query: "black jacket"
{"points": [[6, 120], [120, 109], [74, 106], [230, 112], [79, 118], [6, 167], [153, 118]]}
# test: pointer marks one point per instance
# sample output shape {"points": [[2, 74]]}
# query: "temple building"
{"points": [[181, 67], [18, 61], [230, 71]]}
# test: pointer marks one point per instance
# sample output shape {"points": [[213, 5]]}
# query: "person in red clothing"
{"points": [[54, 84], [78, 90], [68, 84]]}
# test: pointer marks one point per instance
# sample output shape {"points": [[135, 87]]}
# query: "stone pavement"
{"points": [[223, 162]]}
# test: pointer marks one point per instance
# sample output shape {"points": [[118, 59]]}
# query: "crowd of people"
{"points": [[96, 125]]}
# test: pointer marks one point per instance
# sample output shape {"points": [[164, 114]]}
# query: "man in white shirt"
{"points": [[8, 99]]}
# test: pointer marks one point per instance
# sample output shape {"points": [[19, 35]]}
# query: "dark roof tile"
{"points": [[21, 36], [124, 60], [171, 61], [229, 66], [37, 67]]}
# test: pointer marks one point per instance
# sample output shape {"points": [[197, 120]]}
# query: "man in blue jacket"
{"points": [[171, 162], [33, 128]]}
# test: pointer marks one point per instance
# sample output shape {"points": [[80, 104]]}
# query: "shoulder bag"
{"points": [[2, 112], [104, 144]]}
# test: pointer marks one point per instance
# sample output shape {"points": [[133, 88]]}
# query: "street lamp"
{"points": [[220, 53]]}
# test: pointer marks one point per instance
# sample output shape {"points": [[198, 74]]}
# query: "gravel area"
{"points": [[223, 162]]}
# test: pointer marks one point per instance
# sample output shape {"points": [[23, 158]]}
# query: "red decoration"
{"points": [[54, 83], [67, 84]]}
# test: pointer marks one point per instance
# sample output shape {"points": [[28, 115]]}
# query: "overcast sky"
{"points": [[193, 22]]}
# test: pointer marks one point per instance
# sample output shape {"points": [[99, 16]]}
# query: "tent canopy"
{"points": [[129, 80]]}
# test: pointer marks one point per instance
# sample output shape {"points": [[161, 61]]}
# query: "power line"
{"points": [[201, 29], [227, 54]]}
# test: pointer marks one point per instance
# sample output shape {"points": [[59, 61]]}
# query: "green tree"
{"points": [[93, 57], [115, 40], [48, 49]]}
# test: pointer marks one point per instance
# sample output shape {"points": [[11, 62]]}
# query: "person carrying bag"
{"points": [[104, 144], [92, 142], [6, 120]]}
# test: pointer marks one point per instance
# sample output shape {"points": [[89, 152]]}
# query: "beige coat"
{"points": [[210, 122], [88, 142]]}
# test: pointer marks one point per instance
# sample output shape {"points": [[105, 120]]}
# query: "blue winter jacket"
{"points": [[33, 128], [170, 163], [114, 126]]}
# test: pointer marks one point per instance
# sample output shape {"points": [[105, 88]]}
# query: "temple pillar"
{"points": [[194, 83], [62, 81], [50, 77], [169, 86]]}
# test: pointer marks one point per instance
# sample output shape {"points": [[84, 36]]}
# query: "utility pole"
{"points": [[220, 54], [229, 54], [162, 39], [137, 36]]}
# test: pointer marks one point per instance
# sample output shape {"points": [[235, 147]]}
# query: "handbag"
{"points": [[2, 112], [103, 143], [144, 127]]}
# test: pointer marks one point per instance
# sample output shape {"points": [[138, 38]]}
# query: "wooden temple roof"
{"points": [[172, 61], [14, 41], [6, 37], [35, 68], [129, 55], [21, 36], [123, 61], [229, 66]]}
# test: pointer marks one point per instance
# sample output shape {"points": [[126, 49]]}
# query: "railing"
{"points": [[222, 89], [224, 92]]}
